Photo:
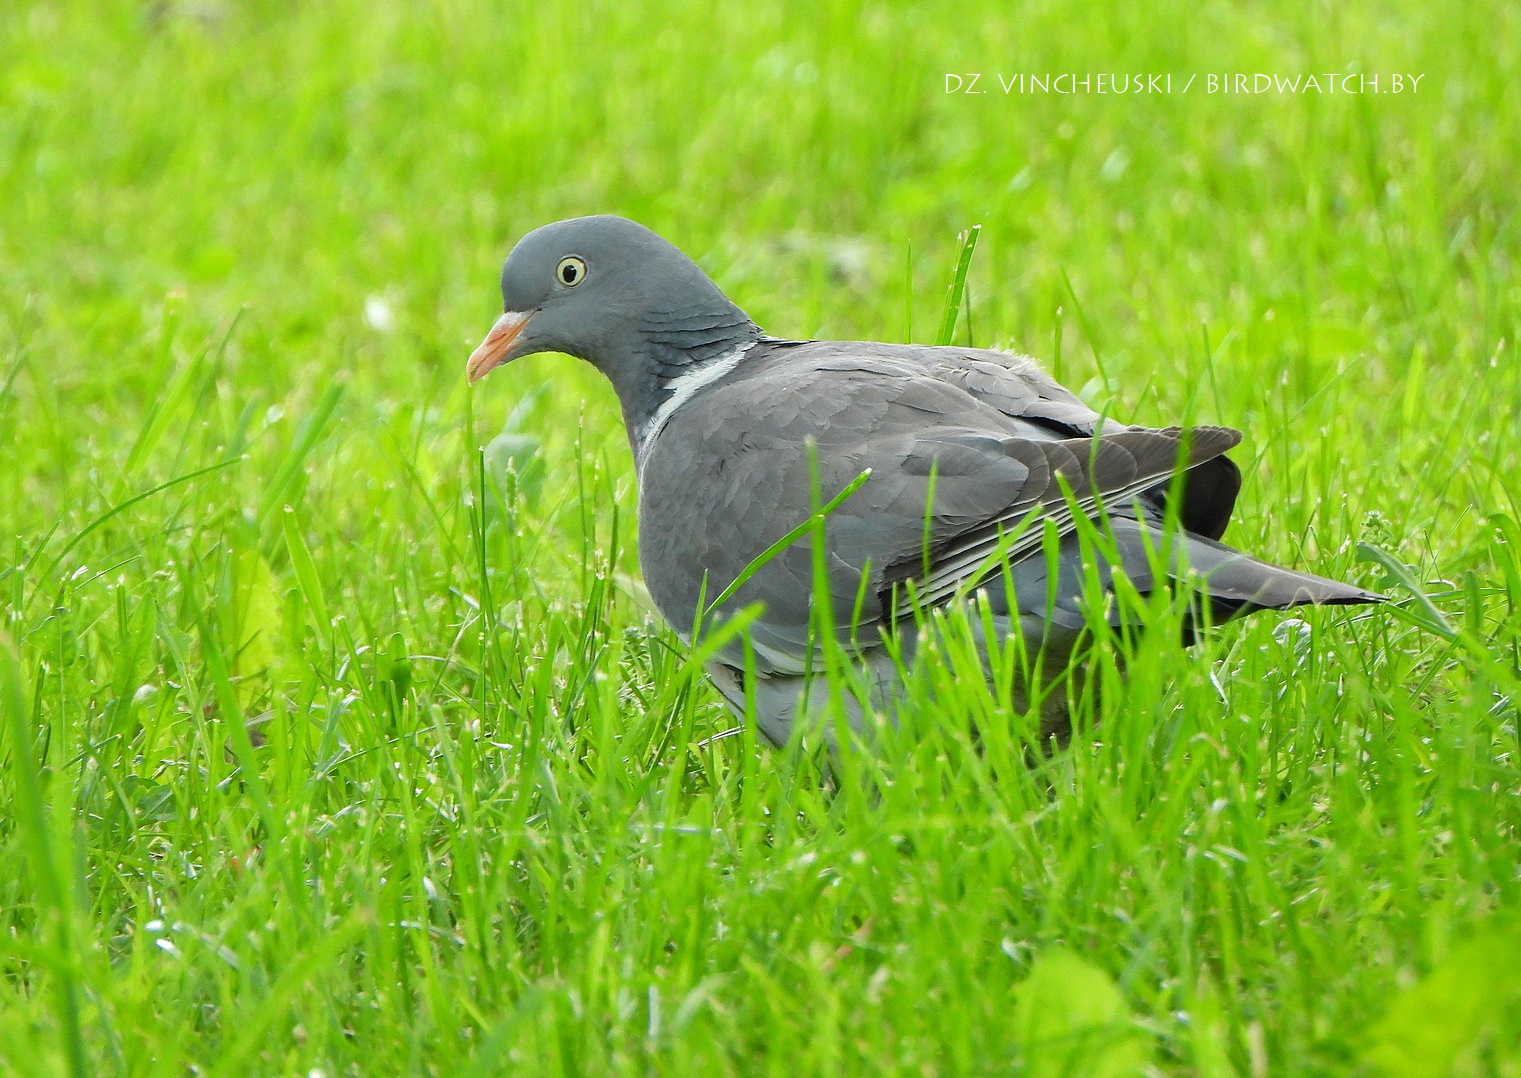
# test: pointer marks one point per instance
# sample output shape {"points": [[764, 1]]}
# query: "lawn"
{"points": [[340, 737]]}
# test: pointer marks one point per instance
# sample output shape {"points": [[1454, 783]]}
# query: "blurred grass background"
{"points": [[333, 746]]}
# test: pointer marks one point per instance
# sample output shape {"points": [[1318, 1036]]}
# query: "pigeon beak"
{"points": [[496, 349]]}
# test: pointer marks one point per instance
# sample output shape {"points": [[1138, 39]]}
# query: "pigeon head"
{"points": [[611, 292]]}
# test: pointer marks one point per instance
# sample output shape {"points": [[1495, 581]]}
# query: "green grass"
{"points": [[330, 744]]}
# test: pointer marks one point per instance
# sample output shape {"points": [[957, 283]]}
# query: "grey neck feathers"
{"points": [[677, 341], [671, 345]]}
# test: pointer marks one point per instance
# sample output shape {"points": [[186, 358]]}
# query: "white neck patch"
{"points": [[684, 386]]}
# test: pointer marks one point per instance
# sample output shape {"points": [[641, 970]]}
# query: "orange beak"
{"points": [[493, 351]]}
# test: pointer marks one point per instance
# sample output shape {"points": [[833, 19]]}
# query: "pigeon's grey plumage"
{"points": [[977, 460]]}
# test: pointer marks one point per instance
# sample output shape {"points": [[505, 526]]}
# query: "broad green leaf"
{"points": [[1072, 1022], [253, 624], [1429, 1025]]}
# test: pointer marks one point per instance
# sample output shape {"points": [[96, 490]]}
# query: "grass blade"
{"points": [[786, 541], [306, 437], [129, 503], [56, 910], [307, 577], [958, 285]]}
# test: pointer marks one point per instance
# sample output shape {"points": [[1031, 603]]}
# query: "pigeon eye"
{"points": [[570, 271]]}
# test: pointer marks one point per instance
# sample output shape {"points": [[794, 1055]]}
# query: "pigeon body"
{"points": [[974, 456]]}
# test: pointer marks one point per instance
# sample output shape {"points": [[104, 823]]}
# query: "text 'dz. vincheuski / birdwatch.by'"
{"points": [[983, 478]]}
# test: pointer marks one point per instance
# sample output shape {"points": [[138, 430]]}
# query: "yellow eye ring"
{"points": [[571, 271]]}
